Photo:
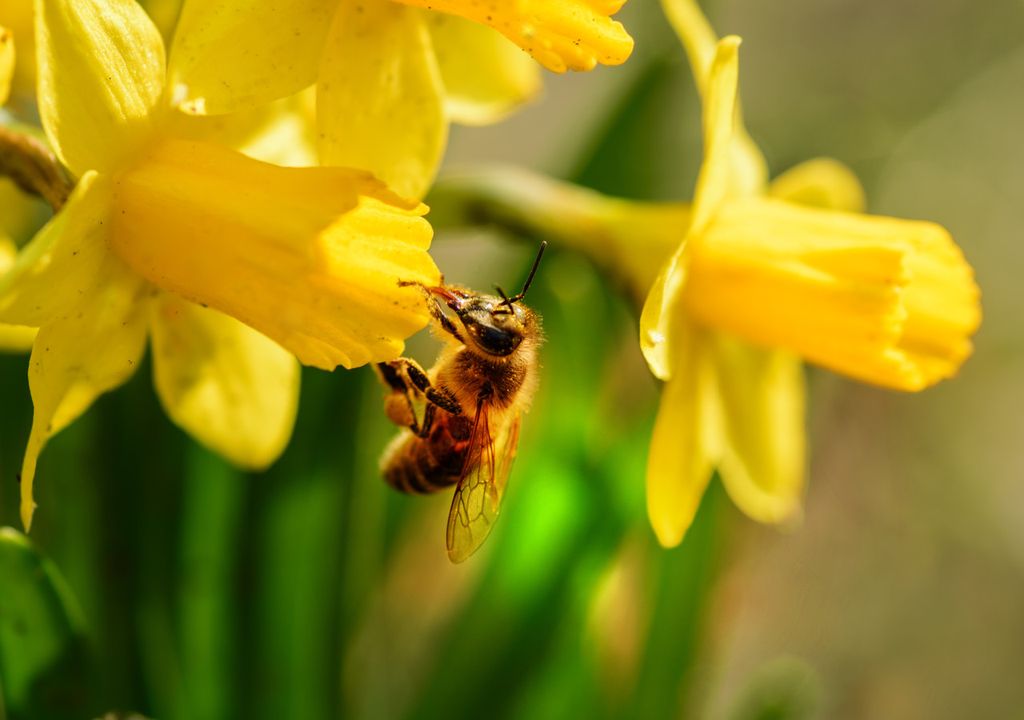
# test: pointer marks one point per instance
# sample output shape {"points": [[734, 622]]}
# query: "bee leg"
{"points": [[405, 377], [440, 396], [398, 405]]}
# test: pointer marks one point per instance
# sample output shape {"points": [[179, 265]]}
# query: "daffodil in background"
{"points": [[743, 284], [389, 75], [231, 266]]}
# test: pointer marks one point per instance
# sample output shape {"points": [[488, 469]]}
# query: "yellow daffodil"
{"points": [[759, 280], [389, 74], [230, 265], [753, 277]]}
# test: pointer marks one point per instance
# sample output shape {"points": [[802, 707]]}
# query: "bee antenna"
{"points": [[529, 279], [504, 298]]}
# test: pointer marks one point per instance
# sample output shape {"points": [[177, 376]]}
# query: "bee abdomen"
{"points": [[412, 465]]}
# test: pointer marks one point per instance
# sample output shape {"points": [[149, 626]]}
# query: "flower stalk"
{"points": [[33, 167]]}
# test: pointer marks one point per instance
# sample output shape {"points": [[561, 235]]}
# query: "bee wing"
{"points": [[482, 484]]}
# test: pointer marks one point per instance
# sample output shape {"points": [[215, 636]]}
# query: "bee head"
{"points": [[493, 325]]}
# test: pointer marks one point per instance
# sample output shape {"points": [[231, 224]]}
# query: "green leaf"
{"points": [[43, 653]]}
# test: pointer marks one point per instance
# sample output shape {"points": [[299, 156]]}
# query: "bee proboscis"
{"points": [[461, 418]]}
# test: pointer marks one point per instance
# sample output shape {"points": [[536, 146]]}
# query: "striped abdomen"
{"points": [[424, 465]]}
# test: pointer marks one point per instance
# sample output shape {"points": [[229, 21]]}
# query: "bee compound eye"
{"points": [[495, 340]]}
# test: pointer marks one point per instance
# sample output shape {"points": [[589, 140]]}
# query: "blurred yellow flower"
{"points": [[887, 301], [163, 234], [389, 77], [753, 277]]}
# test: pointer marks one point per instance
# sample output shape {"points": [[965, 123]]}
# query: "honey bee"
{"points": [[461, 418]]}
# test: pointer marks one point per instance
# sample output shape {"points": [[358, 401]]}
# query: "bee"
{"points": [[460, 420]]}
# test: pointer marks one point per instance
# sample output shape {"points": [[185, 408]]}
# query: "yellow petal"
{"points": [[62, 263], [14, 338], [17, 17], [101, 76], [231, 55], [281, 132], [380, 100], [80, 356], [6, 62], [713, 185], [715, 178], [821, 182], [887, 301], [485, 76], [310, 257], [684, 445], [560, 34], [762, 401], [229, 387], [661, 310]]}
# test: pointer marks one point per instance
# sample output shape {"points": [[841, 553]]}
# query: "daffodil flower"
{"points": [[758, 281], [753, 277], [390, 75], [229, 265]]}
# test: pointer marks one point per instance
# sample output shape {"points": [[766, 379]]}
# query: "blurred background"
{"points": [[164, 582]]}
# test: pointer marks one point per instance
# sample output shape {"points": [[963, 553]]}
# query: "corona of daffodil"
{"points": [[390, 74], [742, 284], [230, 266]]}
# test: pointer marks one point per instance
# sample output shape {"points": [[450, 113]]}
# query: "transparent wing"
{"points": [[492, 447]]}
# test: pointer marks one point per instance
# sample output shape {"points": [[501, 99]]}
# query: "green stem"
{"points": [[628, 239]]}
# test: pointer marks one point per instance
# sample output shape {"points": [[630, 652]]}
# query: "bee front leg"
{"points": [[406, 378]]}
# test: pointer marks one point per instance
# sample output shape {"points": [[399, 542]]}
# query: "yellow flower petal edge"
{"points": [[714, 182], [231, 55], [560, 34], [6, 62], [891, 302], [101, 76], [63, 261], [686, 443], [315, 254], [485, 76], [821, 182], [228, 386], [13, 338], [380, 99], [78, 357], [656, 342], [762, 401]]}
